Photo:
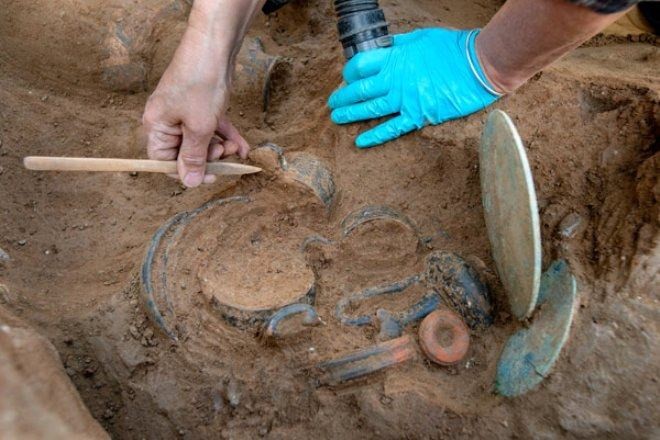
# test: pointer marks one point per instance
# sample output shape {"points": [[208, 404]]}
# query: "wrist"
{"points": [[503, 81], [476, 65], [198, 58]]}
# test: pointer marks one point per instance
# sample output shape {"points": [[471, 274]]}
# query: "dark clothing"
{"points": [[651, 13], [603, 6], [606, 6]]}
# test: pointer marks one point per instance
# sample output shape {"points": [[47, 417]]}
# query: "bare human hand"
{"points": [[186, 122], [185, 118]]}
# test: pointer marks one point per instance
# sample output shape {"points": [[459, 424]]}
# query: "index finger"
{"points": [[365, 64]]}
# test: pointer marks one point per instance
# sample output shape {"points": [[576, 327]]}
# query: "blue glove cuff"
{"points": [[475, 65]]}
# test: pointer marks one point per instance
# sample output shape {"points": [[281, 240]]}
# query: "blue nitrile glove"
{"points": [[427, 76]]}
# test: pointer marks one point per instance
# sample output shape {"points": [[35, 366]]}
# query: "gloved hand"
{"points": [[427, 76]]}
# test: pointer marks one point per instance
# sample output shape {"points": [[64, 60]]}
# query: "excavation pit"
{"points": [[590, 129]]}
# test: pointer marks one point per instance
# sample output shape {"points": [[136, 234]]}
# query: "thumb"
{"points": [[191, 163]]}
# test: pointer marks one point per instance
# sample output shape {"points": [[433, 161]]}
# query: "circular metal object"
{"points": [[310, 318], [244, 271], [230, 256], [429, 335], [530, 354], [372, 213], [511, 212], [379, 238]]}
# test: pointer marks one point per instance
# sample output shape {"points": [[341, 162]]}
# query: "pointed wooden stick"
{"points": [[41, 163]]}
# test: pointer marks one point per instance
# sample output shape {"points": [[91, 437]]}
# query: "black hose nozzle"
{"points": [[361, 25]]}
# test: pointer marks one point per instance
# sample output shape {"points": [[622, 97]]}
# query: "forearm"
{"points": [[215, 32], [527, 35], [184, 118]]}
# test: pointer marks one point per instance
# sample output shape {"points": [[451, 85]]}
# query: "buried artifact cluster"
{"points": [[215, 271]]}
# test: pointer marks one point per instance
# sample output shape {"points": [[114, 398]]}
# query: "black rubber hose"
{"points": [[273, 5], [651, 13], [361, 25]]}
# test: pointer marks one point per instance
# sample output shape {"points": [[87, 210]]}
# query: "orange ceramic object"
{"points": [[429, 331]]}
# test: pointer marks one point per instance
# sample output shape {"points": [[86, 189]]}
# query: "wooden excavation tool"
{"points": [[42, 163]]}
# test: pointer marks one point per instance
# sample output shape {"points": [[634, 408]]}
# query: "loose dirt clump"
{"points": [[76, 242]]}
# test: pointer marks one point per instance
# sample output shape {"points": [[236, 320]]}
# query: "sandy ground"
{"points": [[76, 241]]}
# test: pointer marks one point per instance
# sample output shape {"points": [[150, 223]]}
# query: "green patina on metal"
{"points": [[511, 212], [530, 354]]}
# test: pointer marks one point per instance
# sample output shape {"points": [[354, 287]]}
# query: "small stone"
{"points": [[570, 225], [90, 370], [385, 400], [108, 414], [133, 302], [134, 332], [148, 333], [232, 394], [71, 372], [22, 242], [133, 174], [4, 294], [4, 256], [218, 402]]}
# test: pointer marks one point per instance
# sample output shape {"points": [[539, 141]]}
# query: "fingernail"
{"points": [[209, 178], [193, 179]]}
